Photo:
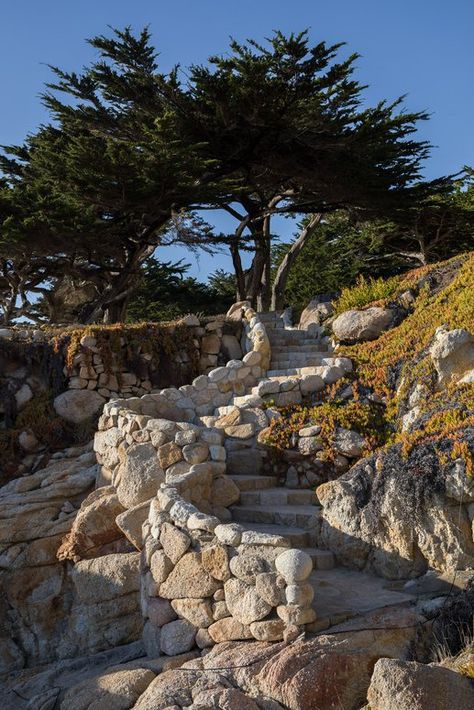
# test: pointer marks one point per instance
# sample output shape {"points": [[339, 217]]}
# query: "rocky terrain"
{"points": [[293, 529]]}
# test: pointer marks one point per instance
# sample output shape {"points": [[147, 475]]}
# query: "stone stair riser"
{"points": [[275, 517], [254, 483], [277, 496]]}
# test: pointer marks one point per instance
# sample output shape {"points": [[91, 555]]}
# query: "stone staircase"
{"points": [[291, 513], [265, 507], [292, 349]]}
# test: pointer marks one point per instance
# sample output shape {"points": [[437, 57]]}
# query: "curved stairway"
{"points": [[289, 512], [293, 513], [292, 349]]}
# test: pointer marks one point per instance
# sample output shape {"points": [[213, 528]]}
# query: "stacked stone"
{"points": [[137, 453], [205, 582], [216, 343], [212, 345], [90, 372], [285, 391], [306, 465], [204, 579]]}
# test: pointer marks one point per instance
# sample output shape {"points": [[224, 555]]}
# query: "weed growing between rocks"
{"points": [[365, 418], [122, 347], [453, 632]]}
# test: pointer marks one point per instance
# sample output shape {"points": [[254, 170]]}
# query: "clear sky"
{"points": [[422, 48]]}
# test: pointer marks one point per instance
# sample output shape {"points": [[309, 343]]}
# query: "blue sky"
{"points": [[422, 48]]}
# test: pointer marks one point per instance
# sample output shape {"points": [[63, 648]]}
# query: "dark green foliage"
{"points": [[132, 156], [332, 258], [91, 195], [165, 292], [438, 226]]}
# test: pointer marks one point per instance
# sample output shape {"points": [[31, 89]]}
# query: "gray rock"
{"points": [[357, 326], [231, 347], [160, 611], [196, 453], [23, 396], [75, 406], [406, 684], [131, 521], [189, 579], [247, 566], [197, 611], [349, 443], [270, 586], [244, 603], [175, 542], [177, 637], [140, 475], [294, 565], [114, 690], [452, 353], [315, 313], [229, 534]]}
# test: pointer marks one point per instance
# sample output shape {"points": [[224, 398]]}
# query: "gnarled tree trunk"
{"points": [[278, 290]]}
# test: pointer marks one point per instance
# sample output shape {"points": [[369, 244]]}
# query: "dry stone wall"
{"points": [[204, 579], [71, 375], [212, 343]]}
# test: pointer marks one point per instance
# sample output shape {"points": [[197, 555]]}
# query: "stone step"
{"points": [[270, 315], [254, 482], [300, 349], [278, 496], [297, 536], [284, 373], [322, 559], [287, 338], [317, 356], [295, 363], [301, 516]]}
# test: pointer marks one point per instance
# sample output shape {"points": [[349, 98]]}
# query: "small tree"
{"points": [[165, 291]]}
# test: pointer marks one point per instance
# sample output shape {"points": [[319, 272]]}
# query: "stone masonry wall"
{"points": [[82, 372], [204, 579]]}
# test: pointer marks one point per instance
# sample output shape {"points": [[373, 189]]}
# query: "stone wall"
{"points": [[78, 371], [204, 578], [207, 344]]}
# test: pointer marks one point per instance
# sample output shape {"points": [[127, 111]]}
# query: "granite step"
{"points": [[301, 516], [300, 349], [283, 338], [297, 536], [295, 363], [255, 482], [278, 496], [322, 559], [283, 372]]}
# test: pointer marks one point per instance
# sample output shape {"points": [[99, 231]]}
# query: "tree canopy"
{"points": [[133, 157]]}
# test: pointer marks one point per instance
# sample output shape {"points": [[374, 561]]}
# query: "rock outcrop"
{"points": [[49, 609], [397, 518], [399, 684]]}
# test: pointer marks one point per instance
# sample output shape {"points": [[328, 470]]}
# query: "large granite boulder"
{"points": [[315, 313], [399, 684], [400, 517], [452, 353], [76, 406], [356, 326]]}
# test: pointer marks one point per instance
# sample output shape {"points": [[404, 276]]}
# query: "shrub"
{"points": [[365, 292]]}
